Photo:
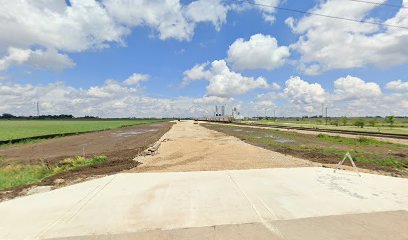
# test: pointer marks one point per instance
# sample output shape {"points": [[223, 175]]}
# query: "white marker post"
{"points": [[352, 163]]}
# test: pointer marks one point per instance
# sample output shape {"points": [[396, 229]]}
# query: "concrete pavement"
{"points": [[281, 203]]}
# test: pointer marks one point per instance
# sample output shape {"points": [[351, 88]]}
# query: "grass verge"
{"points": [[20, 174], [368, 153]]}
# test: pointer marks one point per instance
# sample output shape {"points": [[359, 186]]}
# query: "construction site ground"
{"points": [[202, 184], [120, 146]]}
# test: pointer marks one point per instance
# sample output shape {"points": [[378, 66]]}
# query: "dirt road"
{"points": [[190, 147]]}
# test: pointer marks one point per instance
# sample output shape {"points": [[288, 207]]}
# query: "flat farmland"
{"points": [[17, 129], [376, 125]]}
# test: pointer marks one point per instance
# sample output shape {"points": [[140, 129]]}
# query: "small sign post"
{"points": [[352, 163]]}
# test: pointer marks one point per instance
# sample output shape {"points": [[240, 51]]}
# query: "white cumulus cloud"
{"points": [[111, 99], [259, 52], [53, 24], [90, 24], [207, 11], [302, 93], [222, 81], [212, 99], [350, 87], [169, 18], [327, 44], [136, 78], [397, 85], [48, 59], [198, 72], [267, 9]]}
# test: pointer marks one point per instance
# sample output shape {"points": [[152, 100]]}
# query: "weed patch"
{"points": [[352, 141], [19, 174]]}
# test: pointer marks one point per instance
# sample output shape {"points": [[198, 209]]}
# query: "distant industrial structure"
{"points": [[222, 114], [219, 111]]}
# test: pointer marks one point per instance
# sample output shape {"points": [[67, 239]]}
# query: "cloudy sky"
{"points": [[166, 58]]}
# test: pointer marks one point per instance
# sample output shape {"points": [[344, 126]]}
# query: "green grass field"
{"points": [[371, 125], [16, 129]]}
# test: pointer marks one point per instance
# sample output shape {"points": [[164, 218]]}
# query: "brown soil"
{"points": [[119, 145]]}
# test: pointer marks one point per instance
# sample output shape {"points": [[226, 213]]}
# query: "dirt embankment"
{"points": [[119, 145]]}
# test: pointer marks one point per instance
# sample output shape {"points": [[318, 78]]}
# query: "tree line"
{"points": [[60, 116]]}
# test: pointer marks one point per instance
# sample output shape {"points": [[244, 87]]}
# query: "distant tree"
{"points": [[372, 122], [344, 120], [390, 120], [334, 122], [359, 123], [89, 117], [61, 116], [8, 116]]}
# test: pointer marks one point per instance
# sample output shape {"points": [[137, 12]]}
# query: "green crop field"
{"points": [[16, 129]]}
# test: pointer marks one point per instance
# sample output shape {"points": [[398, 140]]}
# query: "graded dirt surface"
{"points": [[120, 146], [309, 203], [111, 142], [191, 147]]}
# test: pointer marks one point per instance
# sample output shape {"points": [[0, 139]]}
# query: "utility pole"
{"points": [[322, 109], [274, 115], [38, 109], [326, 115]]}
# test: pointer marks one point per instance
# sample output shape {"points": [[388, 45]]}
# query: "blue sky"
{"points": [[340, 64]]}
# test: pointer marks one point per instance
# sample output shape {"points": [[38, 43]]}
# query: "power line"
{"points": [[326, 16], [379, 4]]}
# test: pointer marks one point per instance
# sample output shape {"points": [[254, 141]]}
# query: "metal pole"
{"points": [[38, 108], [322, 110], [326, 115]]}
